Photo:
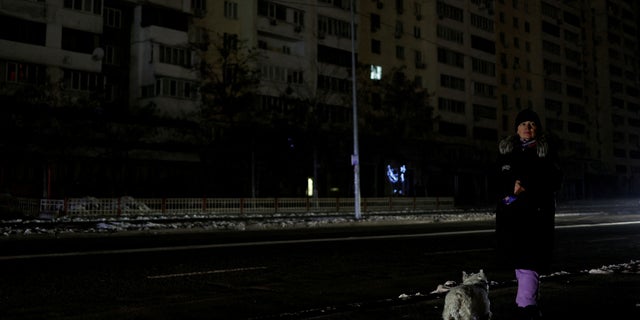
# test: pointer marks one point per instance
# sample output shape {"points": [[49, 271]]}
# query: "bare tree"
{"points": [[229, 76], [394, 107]]}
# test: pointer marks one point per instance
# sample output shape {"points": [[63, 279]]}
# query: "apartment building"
{"points": [[447, 48], [481, 61], [115, 47], [575, 63], [69, 69]]}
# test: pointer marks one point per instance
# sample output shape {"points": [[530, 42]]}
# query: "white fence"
{"points": [[106, 207]]}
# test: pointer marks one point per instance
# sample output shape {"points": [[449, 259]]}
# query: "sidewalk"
{"points": [[579, 297]]}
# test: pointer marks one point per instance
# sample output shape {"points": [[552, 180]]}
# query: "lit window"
{"points": [[376, 72]]}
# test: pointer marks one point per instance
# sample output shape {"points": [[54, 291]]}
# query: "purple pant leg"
{"points": [[528, 283]]}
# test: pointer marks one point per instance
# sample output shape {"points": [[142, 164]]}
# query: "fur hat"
{"points": [[528, 115], [507, 144]]}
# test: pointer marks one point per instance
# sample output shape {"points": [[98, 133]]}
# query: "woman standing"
{"points": [[529, 177]]}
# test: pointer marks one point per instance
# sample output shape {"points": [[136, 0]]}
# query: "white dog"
{"points": [[470, 300]]}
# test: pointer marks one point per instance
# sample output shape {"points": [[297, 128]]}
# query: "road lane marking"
{"points": [[279, 242], [593, 225], [238, 244], [435, 253], [202, 273]]}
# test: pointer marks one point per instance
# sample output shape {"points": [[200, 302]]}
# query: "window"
{"points": [[298, 18], [483, 44], [483, 67], [273, 73], [551, 47], [375, 22], [572, 37], [449, 34], [176, 88], [82, 80], [79, 41], [199, 5], [553, 106], [481, 22], [418, 81], [91, 6], [334, 27], [19, 30], [555, 124], [400, 52], [574, 127], [551, 67], [451, 58], [449, 11], [333, 84], [376, 72], [342, 4], [399, 29], [22, 72], [230, 10], [550, 29], [419, 60], [112, 55], [175, 56], [417, 10], [399, 6], [230, 42], [295, 76], [615, 87], [452, 82], [450, 105], [485, 112], [375, 46], [452, 129], [485, 134], [113, 17], [574, 91], [572, 55], [334, 56], [484, 90]]}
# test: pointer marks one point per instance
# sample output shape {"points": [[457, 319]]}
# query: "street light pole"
{"points": [[355, 157]]}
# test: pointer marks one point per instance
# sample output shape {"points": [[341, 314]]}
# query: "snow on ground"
{"points": [[69, 225], [632, 267]]}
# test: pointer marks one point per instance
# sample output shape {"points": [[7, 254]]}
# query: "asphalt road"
{"points": [[344, 272]]}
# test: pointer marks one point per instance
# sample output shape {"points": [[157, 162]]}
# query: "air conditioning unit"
{"points": [[98, 54]]}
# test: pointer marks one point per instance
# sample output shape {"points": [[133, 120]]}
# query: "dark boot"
{"points": [[529, 313]]}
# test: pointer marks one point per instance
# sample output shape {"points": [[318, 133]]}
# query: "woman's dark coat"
{"points": [[525, 228]]}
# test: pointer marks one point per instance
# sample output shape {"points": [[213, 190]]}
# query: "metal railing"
{"points": [[128, 206]]}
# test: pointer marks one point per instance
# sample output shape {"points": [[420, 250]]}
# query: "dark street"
{"points": [[339, 273]]}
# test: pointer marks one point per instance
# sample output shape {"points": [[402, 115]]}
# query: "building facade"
{"points": [[272, 80]]}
